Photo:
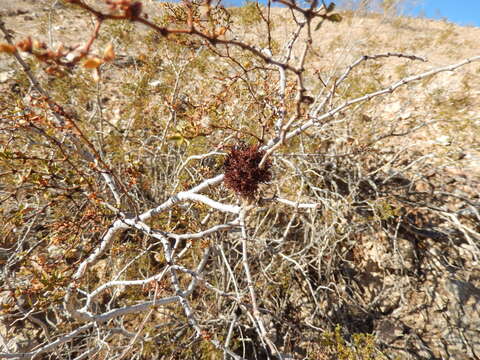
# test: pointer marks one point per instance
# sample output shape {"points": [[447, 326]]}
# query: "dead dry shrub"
{"points": [[125, 231]]}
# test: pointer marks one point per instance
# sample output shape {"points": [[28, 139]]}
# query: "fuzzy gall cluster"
{"points": [[242, 173]]}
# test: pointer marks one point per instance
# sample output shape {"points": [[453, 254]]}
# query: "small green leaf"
{"points": [[319, 25], [334, 17], [179, 139], [330, 7]]}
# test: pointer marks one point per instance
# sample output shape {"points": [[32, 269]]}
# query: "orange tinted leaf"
{"points": [[25, 45], [109, 53], [7, 48], [92, 63], [221, 31], [39, 44]]}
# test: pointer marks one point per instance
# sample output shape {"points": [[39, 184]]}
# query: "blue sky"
{"points": [[463, 12]]}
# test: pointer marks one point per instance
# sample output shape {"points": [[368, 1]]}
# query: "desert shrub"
{"points": [[177, 188]]}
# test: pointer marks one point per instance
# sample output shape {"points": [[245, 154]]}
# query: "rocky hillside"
{"points": [[393, 252]]}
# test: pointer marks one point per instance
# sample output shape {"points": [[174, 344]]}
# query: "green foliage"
{"points": [[329, 15], [360, 346]]}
